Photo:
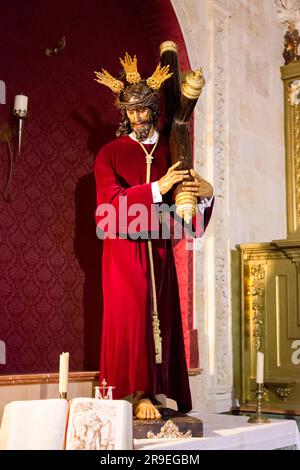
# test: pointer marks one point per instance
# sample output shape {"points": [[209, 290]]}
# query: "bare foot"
{"points": [[144, 409]]}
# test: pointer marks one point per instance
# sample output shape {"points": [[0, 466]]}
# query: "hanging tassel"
{"points": [[155, 319]]}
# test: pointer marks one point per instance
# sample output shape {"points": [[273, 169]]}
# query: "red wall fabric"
{"points": [[50, 258]]}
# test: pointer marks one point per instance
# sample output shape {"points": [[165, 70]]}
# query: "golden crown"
{"points": [[132, 75], [159, 76], [130, 67], [106, 79]]}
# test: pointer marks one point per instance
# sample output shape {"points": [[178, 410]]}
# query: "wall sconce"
{"points": [[61, 44], [6, 136], [20, 110]]}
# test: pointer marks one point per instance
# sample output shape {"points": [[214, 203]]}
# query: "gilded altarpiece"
{"points": [[290, 75], [266, 301]]}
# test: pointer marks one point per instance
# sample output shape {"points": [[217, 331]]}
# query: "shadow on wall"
{"points": [[87, 247]]}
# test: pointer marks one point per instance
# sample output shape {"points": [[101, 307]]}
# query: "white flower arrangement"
{"points": [[294, 93]]}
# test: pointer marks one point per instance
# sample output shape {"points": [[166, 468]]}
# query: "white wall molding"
{"points": [[288, 11], [207, 23]]}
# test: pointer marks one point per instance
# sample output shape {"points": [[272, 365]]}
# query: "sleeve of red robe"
{"points": [[200, 221], [114, 200]]}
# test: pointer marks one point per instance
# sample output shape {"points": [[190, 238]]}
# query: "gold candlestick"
{"points": [[63, 395], [258, 418]]}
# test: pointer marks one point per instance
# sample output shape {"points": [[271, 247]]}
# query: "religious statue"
{"points": [[291, 44], [142, 347]]}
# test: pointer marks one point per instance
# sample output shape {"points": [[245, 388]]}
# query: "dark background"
{"points": [[50, 258]]}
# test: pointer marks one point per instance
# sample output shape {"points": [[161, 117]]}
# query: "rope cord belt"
{"points": [[155, 319]]}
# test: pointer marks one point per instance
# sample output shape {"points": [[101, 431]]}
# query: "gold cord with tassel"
{"points": [[155, 319]]}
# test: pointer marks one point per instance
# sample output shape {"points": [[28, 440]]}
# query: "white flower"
{"points": [[294, 93]]}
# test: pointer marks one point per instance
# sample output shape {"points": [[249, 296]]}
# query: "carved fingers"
{"points": [[172, 177], [199, 187]]}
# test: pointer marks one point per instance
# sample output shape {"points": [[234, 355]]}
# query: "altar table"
{"points": [[226, 432]]}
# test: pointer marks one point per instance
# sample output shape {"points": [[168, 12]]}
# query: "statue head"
{"points": [[139, 105], [139, 100]]}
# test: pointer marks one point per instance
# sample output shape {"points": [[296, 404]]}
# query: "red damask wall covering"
{"points": [[50, 258]]}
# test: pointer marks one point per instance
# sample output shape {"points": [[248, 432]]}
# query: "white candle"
{"points": [[21, 103], [260, 368], [63, 372]]}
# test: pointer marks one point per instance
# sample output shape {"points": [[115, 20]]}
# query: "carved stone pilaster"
{"points": [[207, 22], [221, 221]]}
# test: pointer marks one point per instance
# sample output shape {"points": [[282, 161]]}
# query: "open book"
{"points": [[81, 424]]}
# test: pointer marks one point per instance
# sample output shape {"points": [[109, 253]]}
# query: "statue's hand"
{"points": [[173, 176], [199, 187]]}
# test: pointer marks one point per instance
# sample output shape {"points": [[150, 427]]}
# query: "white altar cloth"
{"points": [[225, 432]]}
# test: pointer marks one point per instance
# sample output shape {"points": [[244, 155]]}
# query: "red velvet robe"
{"points": [[127, 347]]}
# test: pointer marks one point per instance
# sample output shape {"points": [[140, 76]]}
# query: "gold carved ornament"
{"points": [[169, 431], [257, 292], [132, 75], [294, 101]]}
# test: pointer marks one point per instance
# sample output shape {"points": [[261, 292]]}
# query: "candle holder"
{"points": [[258, 418], [21, 114], [105, 392], [63, 395], [6, 136]]}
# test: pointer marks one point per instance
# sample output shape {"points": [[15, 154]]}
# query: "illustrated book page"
{"points": [[99, 425]]}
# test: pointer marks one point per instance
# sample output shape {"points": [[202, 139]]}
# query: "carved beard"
{"points": [[141, 132]]}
